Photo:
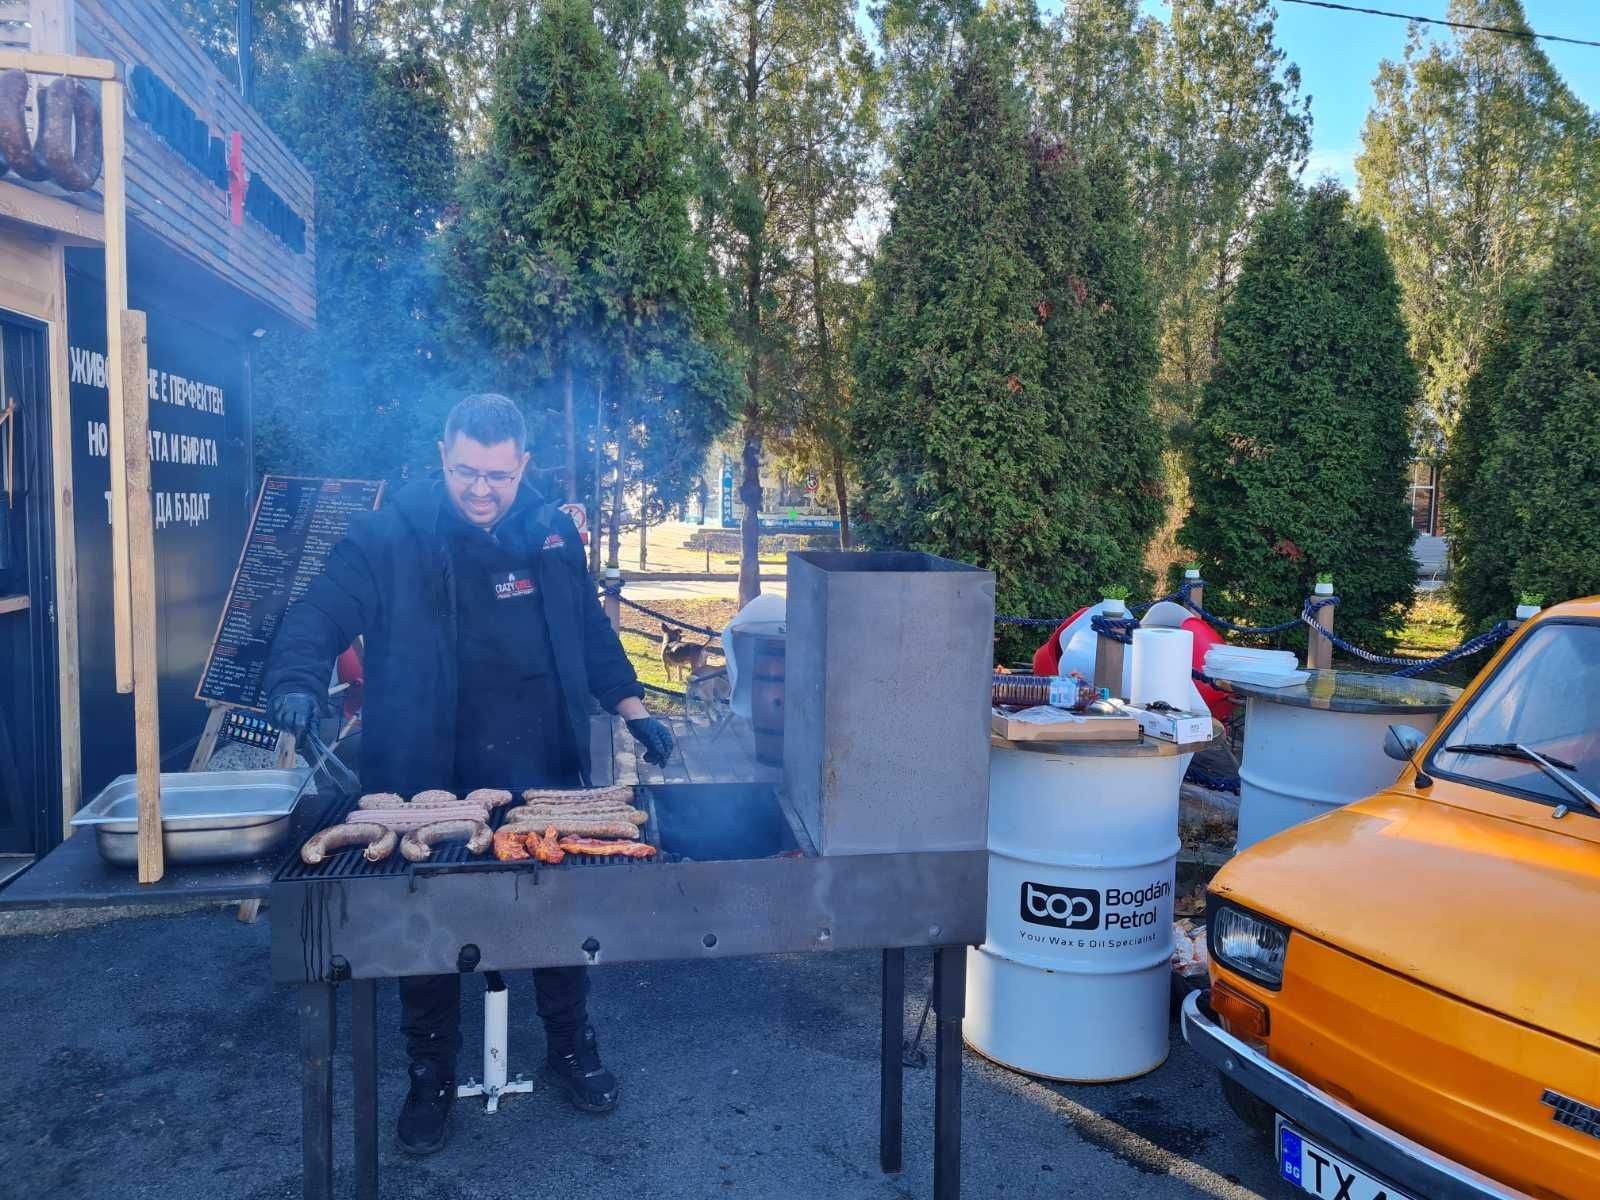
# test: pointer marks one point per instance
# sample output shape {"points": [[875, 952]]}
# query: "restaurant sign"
{"points": [[176, 124]]}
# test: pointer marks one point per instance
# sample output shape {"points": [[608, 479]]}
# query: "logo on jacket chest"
{"points": [[513, 585]]}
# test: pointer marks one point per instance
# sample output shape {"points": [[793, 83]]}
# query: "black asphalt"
{"points": [[151, 1057]]}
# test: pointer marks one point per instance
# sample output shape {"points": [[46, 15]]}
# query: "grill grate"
{"points": [[452, 856]]}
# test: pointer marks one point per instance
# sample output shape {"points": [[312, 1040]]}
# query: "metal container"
{"points": [[206, 816], [1314, 746], [888, 671], [1072, 980]]}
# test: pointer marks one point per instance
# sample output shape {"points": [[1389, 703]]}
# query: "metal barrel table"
{"points": [[1318, 744], [1072, 981]]}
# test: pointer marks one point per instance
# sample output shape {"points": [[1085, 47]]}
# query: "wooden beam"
{"points": [[141, 531], [116, 223], [66, 555], [71, 221], [59, 64], [11, 604]]}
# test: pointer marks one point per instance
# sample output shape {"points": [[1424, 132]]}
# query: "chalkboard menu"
{"points": [[294, 527]]}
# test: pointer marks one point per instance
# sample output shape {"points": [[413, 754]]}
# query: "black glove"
{"points": [[654, 736], [293, 712]]}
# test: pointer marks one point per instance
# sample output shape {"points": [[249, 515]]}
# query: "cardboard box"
{"points": [[1173, 725], [1045, 724]]}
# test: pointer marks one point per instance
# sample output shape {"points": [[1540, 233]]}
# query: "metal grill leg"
{"points": [[316, 1088], [364, 1059], [950, 1003], [891, 1090]]}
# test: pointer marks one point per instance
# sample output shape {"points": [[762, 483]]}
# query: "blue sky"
{"points": [[1338, 55]]}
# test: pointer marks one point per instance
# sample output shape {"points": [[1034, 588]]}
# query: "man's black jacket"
{"points": [[391, 580]]}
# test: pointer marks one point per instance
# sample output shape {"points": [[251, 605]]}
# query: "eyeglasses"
{"points": [[495, 479]]}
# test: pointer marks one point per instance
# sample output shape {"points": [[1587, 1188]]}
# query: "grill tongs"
{"points": [[344, 780]]}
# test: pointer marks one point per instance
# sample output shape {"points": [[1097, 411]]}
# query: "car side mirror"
{"points": [[1402, 741]]}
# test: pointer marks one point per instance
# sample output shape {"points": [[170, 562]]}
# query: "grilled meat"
{"points": [[379, 841], [511, 845], [602, 849], [545, 847], [417, 845]]}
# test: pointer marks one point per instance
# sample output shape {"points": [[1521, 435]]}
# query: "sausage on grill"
{"points": [[581, 826], [539, 813], [618, 794], [417, 846], [434, 796], [407, 817], [378, 840], [381, 800], [490, 798]]}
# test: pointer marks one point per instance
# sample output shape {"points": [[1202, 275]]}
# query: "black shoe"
{"points": [[424, 1125], [574, 1062]]}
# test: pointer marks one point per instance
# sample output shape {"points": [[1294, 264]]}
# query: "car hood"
{"points": [[1496, 913]]}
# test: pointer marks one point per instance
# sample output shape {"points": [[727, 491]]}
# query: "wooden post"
{"points": [[208, 736], [116, 223], [1319, 650], [611, 604], [141, 546], [68, 701], [1108, 659]]}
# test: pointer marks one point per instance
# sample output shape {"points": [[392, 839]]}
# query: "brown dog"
{"points": [[679, 655]]}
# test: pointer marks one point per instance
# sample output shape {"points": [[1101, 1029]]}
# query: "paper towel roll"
{"points": [[1162, 660]]}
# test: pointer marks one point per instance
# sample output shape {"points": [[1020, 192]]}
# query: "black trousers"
{"points": [[430, 1011]]}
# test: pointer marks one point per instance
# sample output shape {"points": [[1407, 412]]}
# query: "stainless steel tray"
{"points": [[206, 816]]}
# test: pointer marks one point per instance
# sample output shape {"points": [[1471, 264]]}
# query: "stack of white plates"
{"points": [[1266, 668]]}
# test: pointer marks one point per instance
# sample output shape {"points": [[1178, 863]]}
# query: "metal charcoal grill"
{"points": [[883, 847]]}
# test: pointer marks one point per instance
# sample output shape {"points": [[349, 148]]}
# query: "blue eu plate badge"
{"points": [[1289, 1156]]}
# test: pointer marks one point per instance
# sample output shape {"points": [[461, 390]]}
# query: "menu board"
{"points": [[293, 529]]}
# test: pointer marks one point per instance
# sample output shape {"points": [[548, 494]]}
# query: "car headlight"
{"points": [[1253, 946]]}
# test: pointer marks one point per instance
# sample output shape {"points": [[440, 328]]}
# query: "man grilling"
{"points": [[484, 640]]}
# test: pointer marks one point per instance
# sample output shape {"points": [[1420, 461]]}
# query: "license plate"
{"points": [[1320, 1173]]}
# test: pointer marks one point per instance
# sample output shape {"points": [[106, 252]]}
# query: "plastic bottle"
{"points": [[1024, 691]]}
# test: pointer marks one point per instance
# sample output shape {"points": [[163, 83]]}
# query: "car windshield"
{"points": [[1545, 697]]}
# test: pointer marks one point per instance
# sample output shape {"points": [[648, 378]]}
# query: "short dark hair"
{"points": [[488, 418]]}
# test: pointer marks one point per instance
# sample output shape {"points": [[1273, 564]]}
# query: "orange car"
{"points": [[1405, 993]]}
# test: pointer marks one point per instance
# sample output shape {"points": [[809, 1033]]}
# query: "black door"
{"points": [[29, 746]]}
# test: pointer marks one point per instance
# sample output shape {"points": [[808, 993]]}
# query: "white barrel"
{"points": [[1301, 762], [1072, 981]]}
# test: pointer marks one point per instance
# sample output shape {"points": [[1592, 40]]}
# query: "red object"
{"points": [[1047, 658], [1205, 637], [238, 181], [352, 672]]}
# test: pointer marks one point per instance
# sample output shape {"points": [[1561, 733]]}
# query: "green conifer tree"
{"points": [[1299, 457], [1002, 413], [1522, 477]]}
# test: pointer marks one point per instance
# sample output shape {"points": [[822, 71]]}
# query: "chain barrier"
{"points": [[1217, 783], [1120, 629], [1483, 641], [613, 588]]}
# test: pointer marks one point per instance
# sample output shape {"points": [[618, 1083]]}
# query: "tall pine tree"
{"points": [[1473, 155], [536, 208], [1298, 463], [1001, 413], [1522, 477]]}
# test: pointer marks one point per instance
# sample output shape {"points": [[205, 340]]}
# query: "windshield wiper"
{"points": [[1550, 766]]}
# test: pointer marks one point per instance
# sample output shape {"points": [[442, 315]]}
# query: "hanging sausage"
{"points": [[65, 108], [67, 150], [15, 145]]}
